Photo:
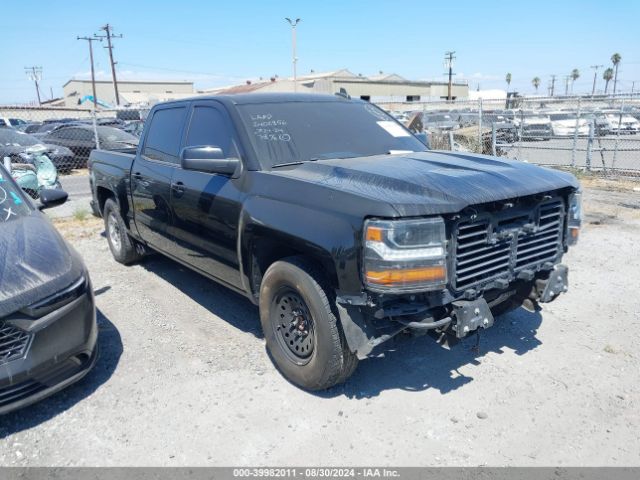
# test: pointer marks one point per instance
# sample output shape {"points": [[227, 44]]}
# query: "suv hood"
{"points": [[35, 262], [427, 183]]}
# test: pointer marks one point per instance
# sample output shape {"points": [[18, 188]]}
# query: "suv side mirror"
{"points": [[209, 159], [52, 198]]}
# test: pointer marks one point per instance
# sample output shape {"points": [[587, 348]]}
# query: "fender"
{"points": [[328, 237]]}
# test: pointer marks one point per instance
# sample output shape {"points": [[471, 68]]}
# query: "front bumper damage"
{"points": [[366, 324]]}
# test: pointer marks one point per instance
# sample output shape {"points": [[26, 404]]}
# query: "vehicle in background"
{"points": [[11, 122], [565, 124], [31, 168], [533, 125], [337, 222], [128, 115], [439, 122], [134, 127], [81, 139], [48, 327], [14, 141], [623, 124], [30, 128]]}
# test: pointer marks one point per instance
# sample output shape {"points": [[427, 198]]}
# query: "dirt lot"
{"points": [[184, 379]]}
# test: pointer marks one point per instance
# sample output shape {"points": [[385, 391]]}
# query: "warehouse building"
{"points": [[381, 88], [79, 92]]}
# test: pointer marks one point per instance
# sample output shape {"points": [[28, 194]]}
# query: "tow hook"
{"points": [[556, 284], [471, 315]]}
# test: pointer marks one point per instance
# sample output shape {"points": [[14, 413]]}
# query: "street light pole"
{"points": [[294, 59]]}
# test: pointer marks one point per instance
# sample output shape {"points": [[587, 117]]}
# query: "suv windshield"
{"points": [[315, 130], [12, 203], [11, 137]]}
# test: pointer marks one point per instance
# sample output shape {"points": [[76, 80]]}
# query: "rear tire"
{"points": [[303, 335], [122, 246]]}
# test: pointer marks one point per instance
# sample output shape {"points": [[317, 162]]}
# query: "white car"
{"points": [[564, 124], [625, 124]]}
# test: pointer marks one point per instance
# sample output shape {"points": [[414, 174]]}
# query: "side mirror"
{"points": [[52, 198], [209, 159]]}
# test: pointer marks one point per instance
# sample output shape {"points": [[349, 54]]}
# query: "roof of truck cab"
{"points": [[258, 98]]}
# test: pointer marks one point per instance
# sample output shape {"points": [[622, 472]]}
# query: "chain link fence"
{"points": [[39, 145], [595, 134]]}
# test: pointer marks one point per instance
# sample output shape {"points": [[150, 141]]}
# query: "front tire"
{"points": [[304, 338], [122, 246]]}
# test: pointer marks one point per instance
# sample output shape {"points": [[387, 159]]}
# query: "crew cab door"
{"points": [[206, 206], [151, 175]]}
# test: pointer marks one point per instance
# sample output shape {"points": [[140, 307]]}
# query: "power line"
{"points": [[35, 75], [90, 40], [109, 35]]}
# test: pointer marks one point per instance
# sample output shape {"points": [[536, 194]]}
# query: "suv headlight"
{"points": [[574, 218], [405, 255]]}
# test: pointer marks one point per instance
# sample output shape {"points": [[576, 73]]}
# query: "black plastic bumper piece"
{"points": [[62, 351]]}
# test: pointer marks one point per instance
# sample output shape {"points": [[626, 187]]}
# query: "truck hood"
{"points": [[35, 262], [426, 183]]}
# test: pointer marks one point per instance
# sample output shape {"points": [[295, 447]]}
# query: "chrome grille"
{"points": [[13, 342], [492, 246]]}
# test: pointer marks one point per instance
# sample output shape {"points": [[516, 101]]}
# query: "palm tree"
{"points": [[536, 83], [607, 75], [575, 74], [508, 80], [615, 59]]}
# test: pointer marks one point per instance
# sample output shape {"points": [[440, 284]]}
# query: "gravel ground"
{"points": [[183, 378]]}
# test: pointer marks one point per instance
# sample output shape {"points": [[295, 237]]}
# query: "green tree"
{"points": [[607, 75], [615, 60], [536, 83], [508, 80], [575, 74]]}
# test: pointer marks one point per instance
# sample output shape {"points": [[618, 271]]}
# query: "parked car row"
{"points": [[519, 124], [68, 141]]}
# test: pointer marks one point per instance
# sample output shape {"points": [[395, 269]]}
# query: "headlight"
{"points": [[405, 255], [574, 218]]}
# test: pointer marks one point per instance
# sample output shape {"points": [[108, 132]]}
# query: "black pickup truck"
{"points": [[334, 219]]}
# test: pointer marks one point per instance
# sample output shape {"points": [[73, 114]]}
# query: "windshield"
{"points": [[12, 202], [8, 136], [115, 135], [302, 131]]}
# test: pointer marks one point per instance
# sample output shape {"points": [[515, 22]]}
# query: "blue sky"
{"points": [[219, 43]]}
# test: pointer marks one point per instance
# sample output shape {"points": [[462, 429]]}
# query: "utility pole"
{"points": [[294, 58], [35, 75], [448, 63], [93, 73], [553, 84], [566, 84], [595, 76], [109, 35]]}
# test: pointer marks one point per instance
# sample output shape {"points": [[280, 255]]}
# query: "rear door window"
{"points": [[164, 136]]}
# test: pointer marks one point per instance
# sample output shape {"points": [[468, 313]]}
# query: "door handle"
{"points": [[137, 176], [177, 188]]}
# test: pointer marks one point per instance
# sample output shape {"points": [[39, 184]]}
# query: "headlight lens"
{"points": [[574, 218], [405, 255]]}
